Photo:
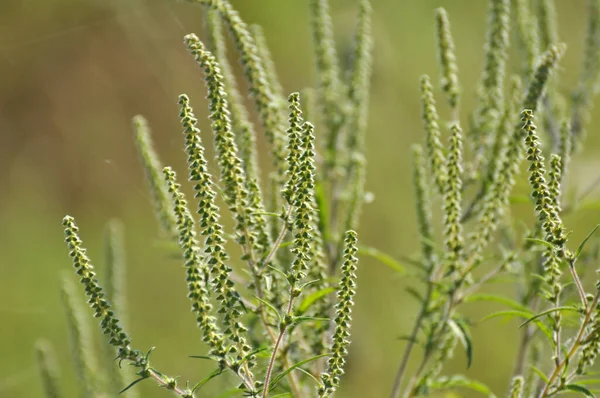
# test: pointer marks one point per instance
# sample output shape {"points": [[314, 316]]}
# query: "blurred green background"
{"points": [[72, 75]]}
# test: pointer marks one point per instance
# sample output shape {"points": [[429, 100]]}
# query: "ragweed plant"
{"points": [[480, 241], [296, 230]]}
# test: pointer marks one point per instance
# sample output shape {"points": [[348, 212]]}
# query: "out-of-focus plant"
{"points": [[298, 242]]}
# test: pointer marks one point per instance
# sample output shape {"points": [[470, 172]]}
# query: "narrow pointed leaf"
{"points": [[280, 376], [312, 298], [383, 258], [580, 248]]}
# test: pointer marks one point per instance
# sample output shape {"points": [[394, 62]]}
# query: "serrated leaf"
{"points": [[580, 248], [280, 376], [551, 310], [313, 298], [383, 258], [461, 331], [580, 389]]}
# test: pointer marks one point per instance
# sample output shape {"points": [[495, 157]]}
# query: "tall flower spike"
{"points": [[539, 81], [435, 149], [547, 213], [240, 121], [554, 183], [447, 60], [152, 167], [517, 387], [265, 55], [269, 110], [196, 272], [546, 19], [452, 200], [360, 77], [115, 293], [587, 87], [230, 164], [359, 97], [82, 348], [423, 205], [102, 309], [328, 70], [565, 148], [492, 81], [303, 207], [341, 338], [526, 33], [216, 257], [48, 369], [294, 147]]}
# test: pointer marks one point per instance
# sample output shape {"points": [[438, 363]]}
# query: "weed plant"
{"points": [[277, 320]]}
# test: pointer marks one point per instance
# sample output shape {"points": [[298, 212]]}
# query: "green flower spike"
{"points": [[249, 225], [527, 35], [328, 70], [331, 379], [196, 272], [423, 206], [452, 200], [216, 257], [82, 349], [152, 167], [447, 60], [48, 369], [517, 387], [269, 110], [435, 149]]}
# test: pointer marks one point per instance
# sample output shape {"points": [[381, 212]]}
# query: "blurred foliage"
{"points": [[73, 73]]}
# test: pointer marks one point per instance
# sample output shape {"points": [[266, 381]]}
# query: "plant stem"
{"points": [[282, 329], [576, 344], [411, 342]]}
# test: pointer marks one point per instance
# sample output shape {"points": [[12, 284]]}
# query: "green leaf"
{"points": [[580, 389], [208, 378], [299, 319], [551, 310], [313, 298], [211, 358], [540, 374], [588, 381], [133, 383], [515, 305], [280, 376], [413, 292], [522, 314], [462, 381], [322, 210], [383, 258], [269, 305], [231, 393], [543, 242], [580, 248], [460, 329]]}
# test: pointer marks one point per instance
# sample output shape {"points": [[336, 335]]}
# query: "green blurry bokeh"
{"points": [[72, 75]]}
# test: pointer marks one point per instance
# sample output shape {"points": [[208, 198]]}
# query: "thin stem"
{"points": [[282, 329], [411, 342], [576, 344], [279, 239]]}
